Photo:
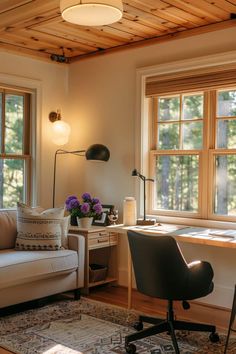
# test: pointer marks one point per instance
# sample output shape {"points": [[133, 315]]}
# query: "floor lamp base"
{"points": [[146, 222]]}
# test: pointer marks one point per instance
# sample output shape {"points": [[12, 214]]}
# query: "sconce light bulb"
{"points": [[60, 132]]}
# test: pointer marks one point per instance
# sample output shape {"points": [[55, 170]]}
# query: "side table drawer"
{"points": [[98, 240]]}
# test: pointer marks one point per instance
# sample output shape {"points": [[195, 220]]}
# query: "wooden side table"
{"points": [[100, 250]]}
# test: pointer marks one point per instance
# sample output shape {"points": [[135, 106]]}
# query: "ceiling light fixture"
{"points": [[91, 12]]}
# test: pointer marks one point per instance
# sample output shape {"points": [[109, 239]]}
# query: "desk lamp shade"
{"points": [[135, 173], [91, 12], [97, 152]]}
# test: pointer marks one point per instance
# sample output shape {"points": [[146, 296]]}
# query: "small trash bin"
{"points": [[97, 272]]}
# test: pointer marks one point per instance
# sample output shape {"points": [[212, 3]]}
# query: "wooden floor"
{"points": [[197, 312]]}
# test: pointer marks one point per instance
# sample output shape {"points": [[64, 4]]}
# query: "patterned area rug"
{"points": [[91, 327]]}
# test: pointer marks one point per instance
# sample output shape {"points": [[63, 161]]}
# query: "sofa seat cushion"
{"points": [[25, 266]]}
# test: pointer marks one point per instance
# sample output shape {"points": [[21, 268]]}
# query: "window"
{"points": [[15, 155], [193, 153], [224, 157]]}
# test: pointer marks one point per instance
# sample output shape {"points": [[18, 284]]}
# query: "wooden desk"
{"points": [[182, 233]]}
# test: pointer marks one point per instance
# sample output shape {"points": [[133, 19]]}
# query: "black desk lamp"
{"points": [[96, 152], [145, 221]]}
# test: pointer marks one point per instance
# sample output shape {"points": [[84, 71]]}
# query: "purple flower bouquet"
{"points": [[89, 207]]}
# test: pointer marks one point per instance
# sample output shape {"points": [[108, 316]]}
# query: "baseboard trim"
{"points": [[221, 297]]}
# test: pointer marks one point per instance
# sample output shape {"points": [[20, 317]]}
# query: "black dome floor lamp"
{"points": [[144, 221], [95, 152]]}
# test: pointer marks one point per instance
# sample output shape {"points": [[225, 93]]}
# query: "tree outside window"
{"points": [[15, 147], [194, 136]]}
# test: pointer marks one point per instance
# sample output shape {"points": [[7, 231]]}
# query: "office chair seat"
{"points": [[162, 272]]}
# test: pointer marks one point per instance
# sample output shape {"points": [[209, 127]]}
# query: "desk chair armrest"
{"points": [[193, 264], [199, 267], [200, 277]]}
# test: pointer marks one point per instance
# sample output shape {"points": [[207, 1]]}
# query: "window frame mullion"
{"points": [[180, 122], [3, 122], [204, 180]]}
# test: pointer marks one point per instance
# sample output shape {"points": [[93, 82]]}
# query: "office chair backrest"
{"points": [[159, 266]]}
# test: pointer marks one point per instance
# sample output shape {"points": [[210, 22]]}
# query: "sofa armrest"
{"points": [[77, 243]]}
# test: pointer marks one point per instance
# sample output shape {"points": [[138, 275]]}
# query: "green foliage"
{"points": [[177, 182], [193, 106], [176, 175], [12, 170], [226, 106], [170, 111], [169, 108]]}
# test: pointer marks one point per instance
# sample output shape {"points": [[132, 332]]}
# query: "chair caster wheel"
{"points": [[214, 337], [138, 326], [130, 348], [185, 305]]}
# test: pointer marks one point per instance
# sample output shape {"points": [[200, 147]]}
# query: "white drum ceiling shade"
{"points": [[91, 12]]}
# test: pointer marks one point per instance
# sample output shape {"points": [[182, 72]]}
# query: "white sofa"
{"points": [[30, 275]]}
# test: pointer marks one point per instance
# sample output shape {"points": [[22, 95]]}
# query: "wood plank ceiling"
{"points": [[36, 28]]}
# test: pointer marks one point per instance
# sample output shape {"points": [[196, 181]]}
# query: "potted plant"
{"points": [[82, 213]]}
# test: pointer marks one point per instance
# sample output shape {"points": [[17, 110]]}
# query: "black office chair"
{"points": [[161, 271]]}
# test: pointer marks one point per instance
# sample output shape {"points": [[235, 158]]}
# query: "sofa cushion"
{"points": [[22, 267], [39, 230], [8, 230]]}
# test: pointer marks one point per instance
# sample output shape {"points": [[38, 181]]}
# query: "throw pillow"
{"points": [[39, 230]]}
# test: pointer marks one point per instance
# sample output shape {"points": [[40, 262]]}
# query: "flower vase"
{"points": [[85, 223], [73, 220]]}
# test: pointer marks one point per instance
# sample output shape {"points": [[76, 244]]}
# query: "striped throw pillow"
{"points": [[39, 230]]}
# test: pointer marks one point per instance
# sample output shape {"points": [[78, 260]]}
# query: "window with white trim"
{"points": [[193, 152], [15, 151]]}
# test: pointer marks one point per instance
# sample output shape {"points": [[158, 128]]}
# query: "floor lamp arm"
{"points": [[144, 198], [54, 177], [61, 152]]}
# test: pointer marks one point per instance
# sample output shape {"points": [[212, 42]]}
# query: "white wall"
{"points": [[52, 81], [102, 104]]}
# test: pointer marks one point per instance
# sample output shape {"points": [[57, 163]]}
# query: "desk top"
{"points": [[183, 233]]}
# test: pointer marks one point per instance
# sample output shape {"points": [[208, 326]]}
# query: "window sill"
{"points": [[194, 222]]}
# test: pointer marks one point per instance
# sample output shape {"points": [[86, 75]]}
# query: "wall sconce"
{"points": [[60, 130], [144, 221]]}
